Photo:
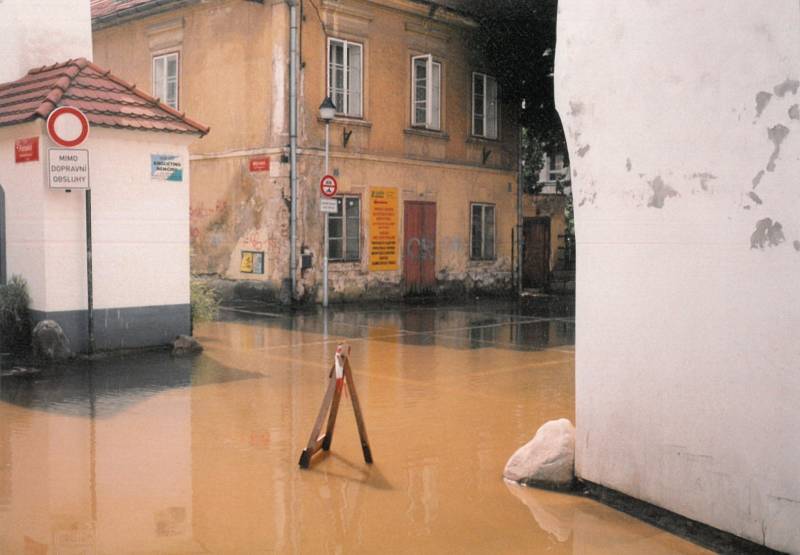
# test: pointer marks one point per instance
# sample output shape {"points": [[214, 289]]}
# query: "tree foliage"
{"points": [[516, 41]]}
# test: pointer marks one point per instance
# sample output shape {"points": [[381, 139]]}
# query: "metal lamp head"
{"points": [[327, 110]]}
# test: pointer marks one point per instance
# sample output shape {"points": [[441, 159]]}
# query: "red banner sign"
{"points": [[259, 164], [26, 150]]}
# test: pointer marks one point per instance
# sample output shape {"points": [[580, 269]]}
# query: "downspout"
{"points": [[293, 67], [520, 185]]}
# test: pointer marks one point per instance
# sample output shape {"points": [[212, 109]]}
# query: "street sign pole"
{"points": [[325, 234], [89, 284]]}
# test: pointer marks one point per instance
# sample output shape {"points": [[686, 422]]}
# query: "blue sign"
{"points": [[166, 167]]}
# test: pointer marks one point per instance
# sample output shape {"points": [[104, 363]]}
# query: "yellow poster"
{"points": [[247, 263], [383, 253]]}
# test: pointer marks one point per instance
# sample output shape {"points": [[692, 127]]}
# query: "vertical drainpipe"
{"points": [[520, 184], [293, 67]]}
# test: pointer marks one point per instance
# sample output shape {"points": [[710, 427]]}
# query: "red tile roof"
{"points": [[112, 12], [106, 100], [102, 8]]}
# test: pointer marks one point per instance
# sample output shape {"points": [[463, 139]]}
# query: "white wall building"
{"points": [[140, 213], [684, 131]]}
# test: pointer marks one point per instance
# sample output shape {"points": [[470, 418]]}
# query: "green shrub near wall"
{"points": [[15, 316], [205, 301]]}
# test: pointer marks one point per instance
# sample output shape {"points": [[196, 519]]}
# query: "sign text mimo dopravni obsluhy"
{"points": [[68, 168]]}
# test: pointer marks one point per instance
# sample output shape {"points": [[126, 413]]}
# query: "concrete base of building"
{"points": [[704, 535], [122, 328]]}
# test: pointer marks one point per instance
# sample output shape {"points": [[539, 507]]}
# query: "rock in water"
{"points": [[50, 343], [548, 460], [185, 345]]}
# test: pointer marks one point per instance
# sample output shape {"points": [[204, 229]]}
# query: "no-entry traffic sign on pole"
{"points": [[328, 185], [67, 126]]}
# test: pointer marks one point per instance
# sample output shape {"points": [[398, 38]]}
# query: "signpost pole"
{"points": [[90, 296], [325, 233]]}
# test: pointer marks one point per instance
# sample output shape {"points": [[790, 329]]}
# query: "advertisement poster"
{"points": [[166, 167], [383, 251]]}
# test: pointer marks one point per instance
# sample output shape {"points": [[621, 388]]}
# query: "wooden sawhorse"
{"points": [[338, 376]]}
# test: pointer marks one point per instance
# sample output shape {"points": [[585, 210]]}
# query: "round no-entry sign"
{"points": [[67, 126], [328, 185]]}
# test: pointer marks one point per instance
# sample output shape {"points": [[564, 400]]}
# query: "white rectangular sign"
{"points": [[68, 168], [330, 205]]}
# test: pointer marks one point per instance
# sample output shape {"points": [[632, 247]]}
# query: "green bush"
{"points": [[205, 301], [15, 315]]}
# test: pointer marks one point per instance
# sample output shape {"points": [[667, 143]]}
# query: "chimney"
{"points": [[34, 33]]}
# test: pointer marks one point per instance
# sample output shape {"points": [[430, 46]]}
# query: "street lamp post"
{"points": [[327, 110]]}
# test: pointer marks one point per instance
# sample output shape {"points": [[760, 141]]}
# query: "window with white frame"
{"points": [[482, 235], [344, 230], [165, 79], [345, 61], [426, 83], [485, 110]]}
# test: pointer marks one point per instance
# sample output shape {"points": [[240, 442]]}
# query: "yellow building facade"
{"points": [[423, 152]]}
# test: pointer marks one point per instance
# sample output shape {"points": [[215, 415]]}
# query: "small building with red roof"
{"points": [[139, 211]]}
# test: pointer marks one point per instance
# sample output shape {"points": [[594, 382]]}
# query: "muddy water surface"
{"points": [[159, 455]]}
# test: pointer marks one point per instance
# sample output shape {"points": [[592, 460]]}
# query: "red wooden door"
{"points": [[536, 252], [419, 252]]}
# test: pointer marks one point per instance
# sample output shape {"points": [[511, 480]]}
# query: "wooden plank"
{"points": [[332, 417], [305, 456], [362, 429]]}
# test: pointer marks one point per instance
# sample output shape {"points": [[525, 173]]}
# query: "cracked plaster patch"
{"points": [[767, 234], [661, 192], [790, 85], [762, 99], [777, 134]]}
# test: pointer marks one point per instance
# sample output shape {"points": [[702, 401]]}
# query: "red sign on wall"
{"points": [[259, 164], [26, 150]]}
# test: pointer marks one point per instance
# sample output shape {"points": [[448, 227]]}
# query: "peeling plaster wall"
{"points": [[455, 272], [681, 123], [234, 77]]}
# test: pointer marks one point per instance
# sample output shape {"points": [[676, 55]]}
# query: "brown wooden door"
{"points": [[536, 252], [419, 251]]}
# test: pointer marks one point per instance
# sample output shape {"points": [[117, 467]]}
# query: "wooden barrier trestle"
{"points": [[340, 375]]}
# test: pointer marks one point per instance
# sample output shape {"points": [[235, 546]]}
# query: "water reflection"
{"points": [[162, 455]]}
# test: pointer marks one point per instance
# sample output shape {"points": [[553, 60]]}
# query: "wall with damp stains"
{"points": [[234, 77], [683, 130]]}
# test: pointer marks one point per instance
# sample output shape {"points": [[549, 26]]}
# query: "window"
{"points": [[482, 243], [165, 79], [556, 167], [344, 76], [344, 230], [485, 112], [426, 82]]}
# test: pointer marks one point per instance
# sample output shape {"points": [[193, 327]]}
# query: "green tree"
{"points": [[516, 41]]}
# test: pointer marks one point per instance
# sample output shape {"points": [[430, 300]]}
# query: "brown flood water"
{"points": [[159, 455]]}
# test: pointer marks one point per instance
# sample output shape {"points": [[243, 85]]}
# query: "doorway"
{"points": [[419, 247], [536, 253]]}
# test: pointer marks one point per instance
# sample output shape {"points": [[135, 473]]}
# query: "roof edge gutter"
{"points": [[153, 7]]}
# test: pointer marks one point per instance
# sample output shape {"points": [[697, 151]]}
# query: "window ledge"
{"points": [[475, 139], [482, 260], [427, 133], [342, 120], [341, 262]]}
